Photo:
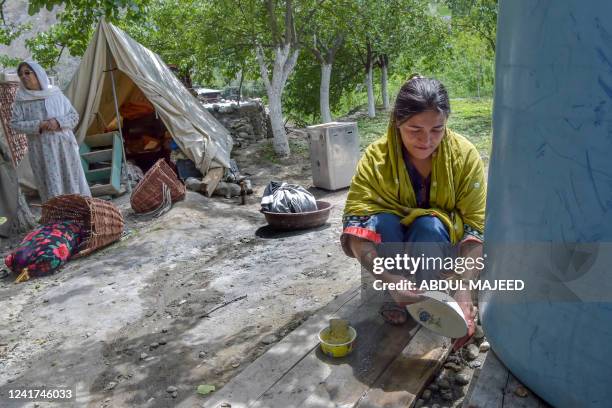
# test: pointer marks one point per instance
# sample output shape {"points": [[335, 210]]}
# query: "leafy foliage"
{"points": [[478, 17], [171, 29], [402, 32], [76, 23], [302, 92], [6, 61], [214, 41], [467, 67], [8, 33]]}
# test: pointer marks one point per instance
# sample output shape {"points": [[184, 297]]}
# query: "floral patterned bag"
{"points": [[44, 250]]}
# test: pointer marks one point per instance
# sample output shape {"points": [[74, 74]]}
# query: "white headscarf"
{"points": [[56, 103]]}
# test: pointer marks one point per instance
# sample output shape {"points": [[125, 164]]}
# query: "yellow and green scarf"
{"points": [[458, 186]]}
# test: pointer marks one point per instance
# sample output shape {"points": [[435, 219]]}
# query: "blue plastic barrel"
{"points": [[549, 205]]}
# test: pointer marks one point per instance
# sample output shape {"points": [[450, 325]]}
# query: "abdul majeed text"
{"points": [[452, 285]]}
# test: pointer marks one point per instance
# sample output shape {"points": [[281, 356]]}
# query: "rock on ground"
{"points": [[471, 352]]}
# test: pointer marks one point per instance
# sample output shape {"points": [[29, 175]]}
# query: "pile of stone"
{"points": [[232, 184], [248, 121], [450, 385]]}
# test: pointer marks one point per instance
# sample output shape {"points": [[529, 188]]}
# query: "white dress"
{"points": [[54, 156]]}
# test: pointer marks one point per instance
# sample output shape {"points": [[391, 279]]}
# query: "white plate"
{"points": [[439, 313]]}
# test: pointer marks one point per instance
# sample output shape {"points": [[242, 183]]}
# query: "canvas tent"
{"points": [[198, 134]]}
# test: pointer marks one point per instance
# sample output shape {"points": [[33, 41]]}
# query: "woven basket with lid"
{"points": [[148, 195], [101, 219]]}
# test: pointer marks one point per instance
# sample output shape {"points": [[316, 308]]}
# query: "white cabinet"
{"points": [[334, 153]]}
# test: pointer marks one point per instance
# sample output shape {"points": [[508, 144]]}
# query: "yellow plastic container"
{"points": [[336, 350]]}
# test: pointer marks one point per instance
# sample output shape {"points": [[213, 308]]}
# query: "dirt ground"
{"points": [[122, 325]]}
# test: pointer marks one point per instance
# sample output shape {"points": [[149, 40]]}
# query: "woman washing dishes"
{"points": [[420, 189], [45, 115]]}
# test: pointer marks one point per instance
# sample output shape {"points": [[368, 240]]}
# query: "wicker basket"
{"points": [[149, 193], [17, 142], [100, 219]]}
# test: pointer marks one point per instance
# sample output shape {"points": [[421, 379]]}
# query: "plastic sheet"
{"points": [[282, 197]]}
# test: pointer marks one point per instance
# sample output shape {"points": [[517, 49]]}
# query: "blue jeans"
{"points": [[426, 236], [422, 229]]}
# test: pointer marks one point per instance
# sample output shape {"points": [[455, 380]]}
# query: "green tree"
{"points": [[9, 32], [409, 28], [76, 23], [200, 38], [172, 30], [302, 96], [470, 67], [386, 28], [402, 35], [324, 38], [362, 40], [478, 17], [270, 31]]}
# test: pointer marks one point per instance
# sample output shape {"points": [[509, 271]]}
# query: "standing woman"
{"points": [[47, 117]]}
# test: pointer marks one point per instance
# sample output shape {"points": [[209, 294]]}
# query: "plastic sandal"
{"points": [[394, 307]]}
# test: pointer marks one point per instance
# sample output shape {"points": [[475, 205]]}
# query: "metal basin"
{"points": [[295, 221]]}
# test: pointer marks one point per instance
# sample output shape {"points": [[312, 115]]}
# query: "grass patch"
{"points": [[371, 129], [266, 152], [299, 149], [470, 117]]}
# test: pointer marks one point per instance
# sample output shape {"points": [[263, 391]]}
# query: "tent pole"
{"points": [[127, 168]]}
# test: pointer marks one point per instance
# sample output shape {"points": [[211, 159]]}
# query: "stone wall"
{"points": [[247, 122]]}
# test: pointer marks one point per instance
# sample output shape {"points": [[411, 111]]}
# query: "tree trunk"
{"points": [[383, 86], [326, 70], [285, 59], [279, 141], [240, 85], [370, 86], [325, 56]]}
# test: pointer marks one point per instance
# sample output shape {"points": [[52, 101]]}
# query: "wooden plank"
{"points": [[472, 385], [489, 389], [101, 174], [212, 179], [315, 370], [103, 189], [345, 385], [268, 369], [83, 148], [409, 373], [101, 139], [319, 381], [97, 156]]}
